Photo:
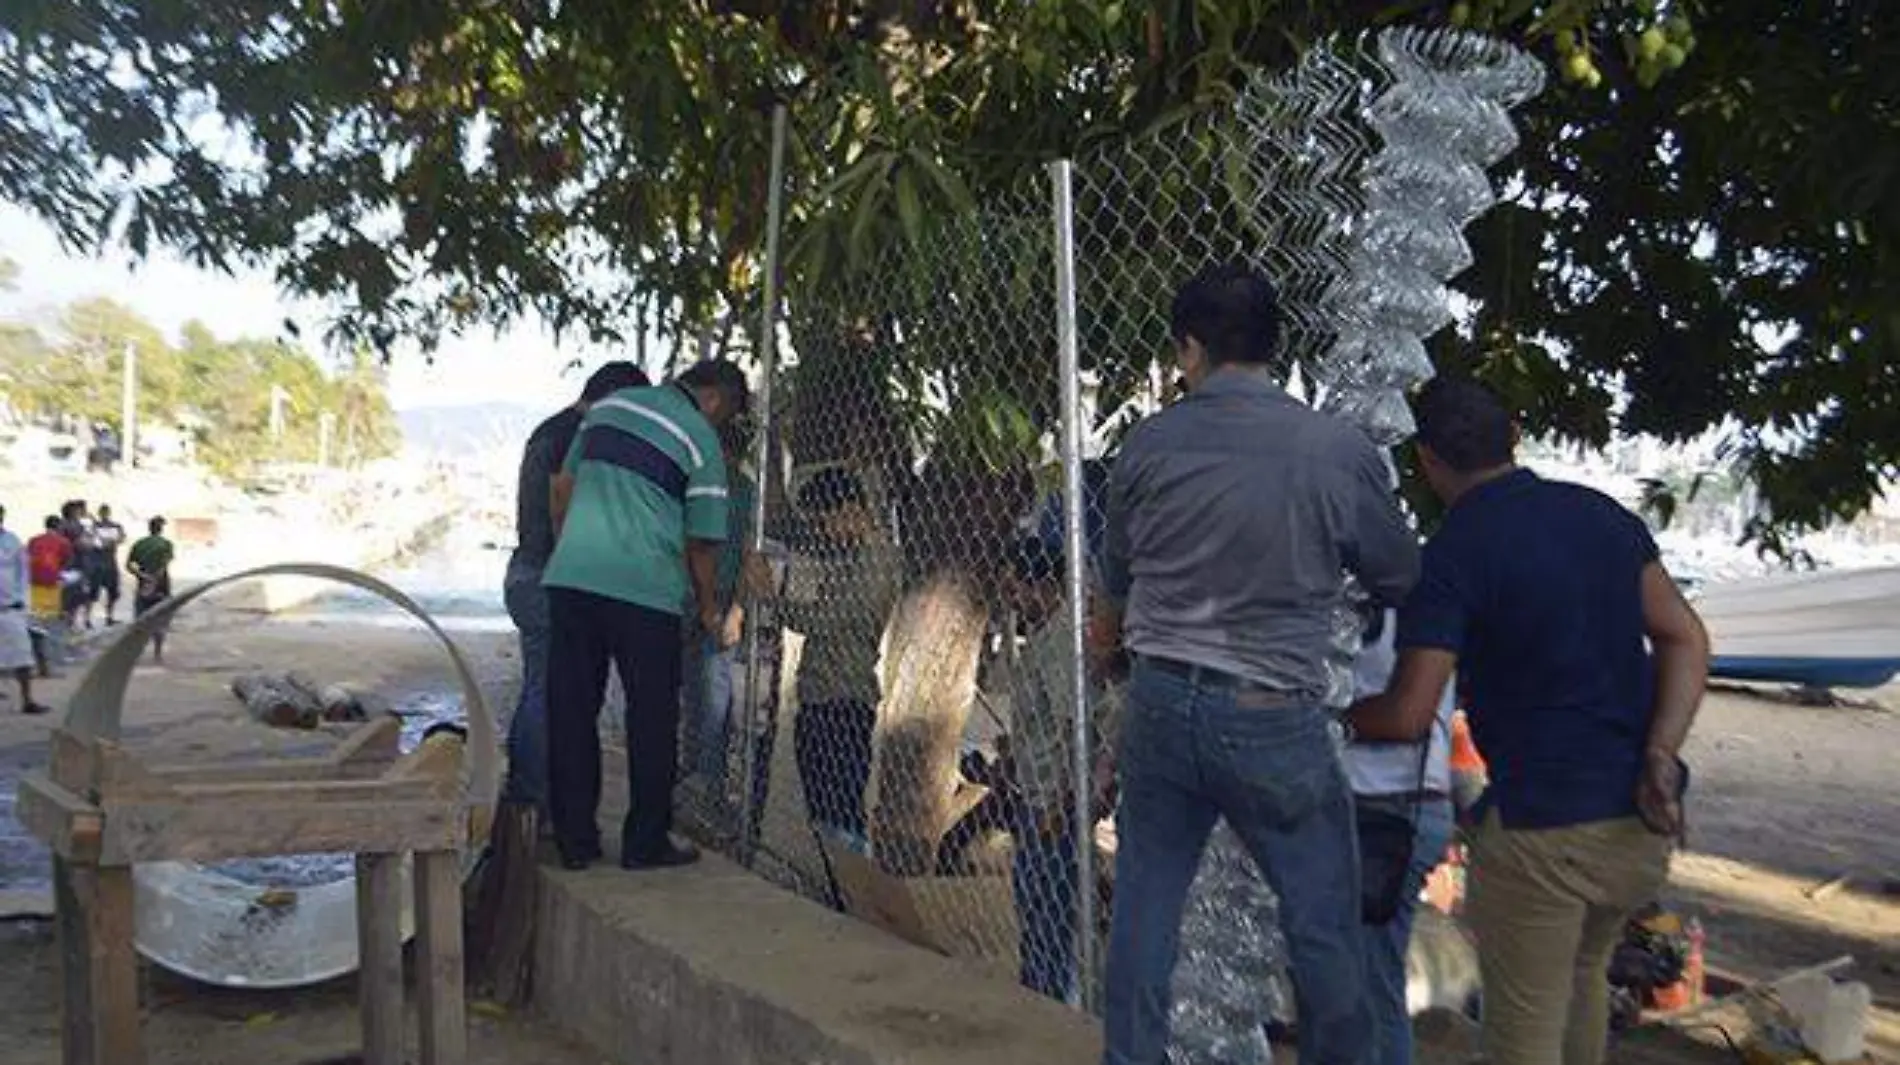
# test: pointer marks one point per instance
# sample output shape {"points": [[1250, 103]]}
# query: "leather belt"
{"points": [[1247, 693]]}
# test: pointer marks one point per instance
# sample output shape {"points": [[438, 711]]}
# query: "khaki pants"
{"points": [[1548, 907]]}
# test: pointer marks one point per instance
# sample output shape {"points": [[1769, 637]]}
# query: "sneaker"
{"points": [[671, 856], [36, 708]]}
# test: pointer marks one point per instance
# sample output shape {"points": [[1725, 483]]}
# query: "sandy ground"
{"points": [[1786, 798], [187, 1024]]}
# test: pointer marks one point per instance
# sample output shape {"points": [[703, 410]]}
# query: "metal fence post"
{"points": [[762, 460], [1062, 174]]}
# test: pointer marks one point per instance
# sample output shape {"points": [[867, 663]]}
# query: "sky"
{"points": [[521, 367]]}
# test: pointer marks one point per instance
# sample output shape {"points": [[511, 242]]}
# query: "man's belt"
{"points": [[1248, 693]]}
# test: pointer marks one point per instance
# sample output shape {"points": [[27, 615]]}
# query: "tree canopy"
{"points": [[220, 390], [1701, 234]]}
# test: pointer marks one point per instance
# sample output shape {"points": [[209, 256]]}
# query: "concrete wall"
{"points": [[712, 966]]}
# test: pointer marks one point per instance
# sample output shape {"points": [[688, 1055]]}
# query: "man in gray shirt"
{"points": [[1233, 519]]}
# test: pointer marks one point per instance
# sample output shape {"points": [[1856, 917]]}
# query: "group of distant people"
{"points": [[54, 582], [1233, 525]]}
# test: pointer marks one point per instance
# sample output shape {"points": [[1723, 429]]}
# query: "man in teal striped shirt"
{"points": [[641, 511]]}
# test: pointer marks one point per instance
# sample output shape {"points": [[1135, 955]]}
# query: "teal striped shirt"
{"points": [[648, 475]]}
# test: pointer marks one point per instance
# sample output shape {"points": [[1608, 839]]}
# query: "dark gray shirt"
{"points": [[534, 521], [1233, 517]]}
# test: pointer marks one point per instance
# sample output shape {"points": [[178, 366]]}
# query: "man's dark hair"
{"points": [[53, 523], [105, 510], [1233, 311], [1465, 424], [1035, 560], [722, 375], [156, 525], [611, 378], [830, 489], [735, 437]]}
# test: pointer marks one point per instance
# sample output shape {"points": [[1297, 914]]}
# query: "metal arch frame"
{"points": [[96, 707], [95, 711]]}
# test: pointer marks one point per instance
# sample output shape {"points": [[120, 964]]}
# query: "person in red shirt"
{"points": [[49, 555]]}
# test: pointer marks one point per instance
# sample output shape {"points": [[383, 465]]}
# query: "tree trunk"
{"points": [[930, 673]]}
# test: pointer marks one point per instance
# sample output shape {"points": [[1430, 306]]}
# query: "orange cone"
{"points": [[1464, 752]]}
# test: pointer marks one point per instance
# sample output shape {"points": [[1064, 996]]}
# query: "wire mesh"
{"points": [[917, 431], [901, 741]]}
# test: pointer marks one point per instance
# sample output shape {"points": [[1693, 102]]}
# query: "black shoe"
{"points": [[671, 856], [580, 857], [36, 708]]}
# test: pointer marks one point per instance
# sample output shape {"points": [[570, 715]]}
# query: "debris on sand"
{"points": [[294, 701]]}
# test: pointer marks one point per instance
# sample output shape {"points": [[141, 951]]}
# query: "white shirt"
{"points": [[1392, 768], [13, 570]]}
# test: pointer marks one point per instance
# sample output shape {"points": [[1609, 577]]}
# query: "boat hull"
{"points": [[1830, 629]]}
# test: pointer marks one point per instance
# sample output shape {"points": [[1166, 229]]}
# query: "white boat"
{"points": [[1825, 629]]}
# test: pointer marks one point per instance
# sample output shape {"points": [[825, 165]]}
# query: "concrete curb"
{"points": [[712, 966]]}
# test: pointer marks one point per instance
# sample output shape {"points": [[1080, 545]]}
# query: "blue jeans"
{"points": [[1044, 879], [528, 730], [709, 698], [1386, 944], [1195, 748]]}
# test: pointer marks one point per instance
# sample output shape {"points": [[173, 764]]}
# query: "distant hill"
{"points": [[475, 427]]}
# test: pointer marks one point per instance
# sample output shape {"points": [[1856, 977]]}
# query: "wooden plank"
{"points": [[116, 964], [119, 773], [875, 896], [153, 832], [379, 941], [70, 826], [99, 967], [263, 794], [440, 1009], [266, 770], [71, 764], [75, 970], [366, 752], [377, 741], [437, 761]]}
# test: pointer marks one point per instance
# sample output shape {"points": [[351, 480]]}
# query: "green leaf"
{"points": [[950, 187], [910, 210], [864, 219]]}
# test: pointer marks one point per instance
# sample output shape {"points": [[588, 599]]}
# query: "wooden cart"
{"points": [[101, 809]]}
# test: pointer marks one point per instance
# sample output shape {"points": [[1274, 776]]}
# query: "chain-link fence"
{"points": [[916, 711], [914, 736], [907, 747]]}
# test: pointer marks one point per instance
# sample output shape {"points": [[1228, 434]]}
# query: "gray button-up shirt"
{"points": [[1232, 519]]}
